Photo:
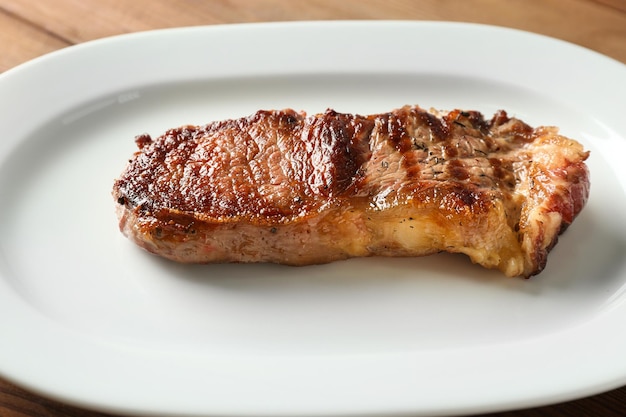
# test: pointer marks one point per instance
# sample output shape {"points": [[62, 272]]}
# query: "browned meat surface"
{"points": [[284, 187]]}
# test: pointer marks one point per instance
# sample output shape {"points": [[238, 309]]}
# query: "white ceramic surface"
{"points": [[88, 318]]}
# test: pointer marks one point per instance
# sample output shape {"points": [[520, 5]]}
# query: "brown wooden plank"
{"points": [[616, 4], [22, 41], [584, 22], [17, 402]]}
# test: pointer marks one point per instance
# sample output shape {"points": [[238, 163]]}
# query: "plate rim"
{"points": [[48, 331]]}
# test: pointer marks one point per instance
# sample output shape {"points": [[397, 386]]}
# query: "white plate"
{"points": [[88, 318]]}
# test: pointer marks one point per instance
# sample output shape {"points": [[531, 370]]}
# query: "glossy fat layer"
{"points": [[279, 186]]}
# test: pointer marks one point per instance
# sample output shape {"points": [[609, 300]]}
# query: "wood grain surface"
{"points": [[31, 28]]}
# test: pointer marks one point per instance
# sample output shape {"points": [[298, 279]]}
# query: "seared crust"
{"points": [[280, 186]]}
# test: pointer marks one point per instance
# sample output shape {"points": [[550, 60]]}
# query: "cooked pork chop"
{"points": [[284, 187]]}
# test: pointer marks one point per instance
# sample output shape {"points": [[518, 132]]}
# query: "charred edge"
{"points": [[477, 120], [499, 118], [437, 126], [143, 140]]}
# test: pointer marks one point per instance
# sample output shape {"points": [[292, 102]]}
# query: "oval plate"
{"points": [[88, 318]]}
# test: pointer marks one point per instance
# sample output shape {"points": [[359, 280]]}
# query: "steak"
{"points": [[288, 188]]}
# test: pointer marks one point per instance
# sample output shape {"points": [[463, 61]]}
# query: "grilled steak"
{"points": [[284, 187]]}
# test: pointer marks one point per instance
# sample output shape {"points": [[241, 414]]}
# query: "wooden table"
{"points": [[30, 28]]}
